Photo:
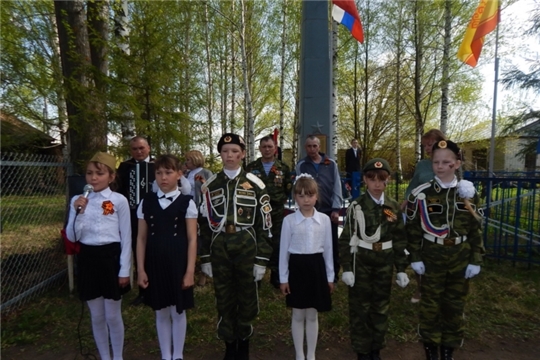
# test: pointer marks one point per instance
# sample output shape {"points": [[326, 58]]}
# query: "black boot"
{"points": [[230, 350], [364, 356], [432, 351], [376, 355], [243, 350], [446, 353]]}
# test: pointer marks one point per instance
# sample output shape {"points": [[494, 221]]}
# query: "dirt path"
{"points": [[496, 349]]}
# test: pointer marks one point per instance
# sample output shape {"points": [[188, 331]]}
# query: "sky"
{"points": [[514, 50]]}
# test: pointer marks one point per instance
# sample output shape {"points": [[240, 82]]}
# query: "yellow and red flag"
{"points": [[485, 20]]}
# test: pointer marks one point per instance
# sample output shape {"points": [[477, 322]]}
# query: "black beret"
{"points": [[230, 138], [447, 144]]}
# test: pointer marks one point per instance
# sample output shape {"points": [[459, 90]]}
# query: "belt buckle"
{"points": [[377, 246], [449, 242], [230, 229]]}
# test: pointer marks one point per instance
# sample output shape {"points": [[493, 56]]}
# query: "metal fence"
{"points": [[512, 213], [33, 202]]}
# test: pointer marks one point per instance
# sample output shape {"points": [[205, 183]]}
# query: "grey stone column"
{"points": [[315, 75]]}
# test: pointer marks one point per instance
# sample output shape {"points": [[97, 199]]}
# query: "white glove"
{"points": [[418, 267], [472, 271], [258, 272], [402, 279], [207, 269], [348, 278]]}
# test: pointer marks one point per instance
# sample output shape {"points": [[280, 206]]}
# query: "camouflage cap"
{"points": [[447, 144], [230, 138], [105, 159], [377, 164]]}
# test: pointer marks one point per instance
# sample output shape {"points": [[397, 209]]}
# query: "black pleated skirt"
{"points": [[308, 283], [165, 265], [98, 272]]}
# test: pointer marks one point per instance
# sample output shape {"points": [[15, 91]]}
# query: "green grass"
{"points": [[503, 302]]}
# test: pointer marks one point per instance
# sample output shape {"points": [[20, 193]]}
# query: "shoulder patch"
{"points": [[256, 180], [204, 187], [419, 188]]}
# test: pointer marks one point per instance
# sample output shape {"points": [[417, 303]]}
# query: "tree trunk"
{"points": [[418, 43], [282, 73], [83, 140], [399, 46], [249, 126], [209, 85], [445, 81]]}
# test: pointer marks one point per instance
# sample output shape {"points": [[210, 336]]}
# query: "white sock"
{"points": [[99, 327], [312, 332], [113, 315], [297, 329], [163, 327], [179, 326]]}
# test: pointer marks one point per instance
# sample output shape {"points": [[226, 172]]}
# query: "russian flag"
{"points": [[345, 12]]}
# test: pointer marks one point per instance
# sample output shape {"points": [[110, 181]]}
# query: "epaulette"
{"points": [[207, 182], [417, 190], [256, 180]]}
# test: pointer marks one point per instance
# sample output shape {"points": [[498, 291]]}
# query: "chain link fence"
{"points": [[33, 206]]}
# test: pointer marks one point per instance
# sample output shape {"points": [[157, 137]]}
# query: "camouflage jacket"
{"points": [[278, 181], [390, 219], [441, 212], [241, 203]]}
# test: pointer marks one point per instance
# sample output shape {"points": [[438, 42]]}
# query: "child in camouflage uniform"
{"points": [[235, 246], [371, 244], [445, 242]]}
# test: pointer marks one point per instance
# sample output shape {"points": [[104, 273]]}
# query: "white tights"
{"points": [[311, 320], [107, 321], [171, 325]]}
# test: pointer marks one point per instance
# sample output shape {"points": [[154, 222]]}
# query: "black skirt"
{"points": [[308, 283], [98, 272]]}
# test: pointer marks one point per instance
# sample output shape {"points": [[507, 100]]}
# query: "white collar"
{"points": [[299, 217], [104, 193], [231, 174], [379, 201], [448, 185], [173, 193]]}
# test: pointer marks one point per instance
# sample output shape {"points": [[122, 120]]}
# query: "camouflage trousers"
{"points": [[369, 300], [237, 302], [277, 222], [444, 290]]}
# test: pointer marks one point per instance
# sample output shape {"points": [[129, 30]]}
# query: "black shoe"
{"points": [[376, 355], [243, 350], [364, 356], [230, 350], [432, 351], [446, 353], [137, 301]]}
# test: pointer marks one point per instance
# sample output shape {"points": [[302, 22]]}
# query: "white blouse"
{"points": [[301, 235], [164, 202], [99, 226]]}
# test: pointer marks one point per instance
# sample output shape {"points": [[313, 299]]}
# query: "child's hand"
{"points": [[142, 279], [123, 281], [331, 286], [188, 281], [80, 202], [285, 288]]}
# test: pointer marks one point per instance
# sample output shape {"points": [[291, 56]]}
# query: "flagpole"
{"points": [[494, 110], [493, 117]]}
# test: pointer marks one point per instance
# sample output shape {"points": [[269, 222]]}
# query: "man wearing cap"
{"points": [[372, 243], [276, 176], [325, 172], [235, 246]]}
